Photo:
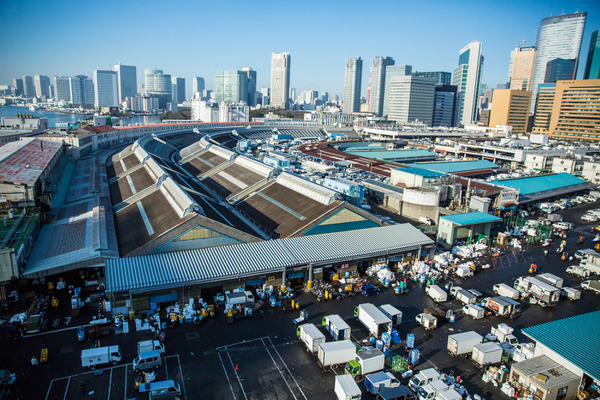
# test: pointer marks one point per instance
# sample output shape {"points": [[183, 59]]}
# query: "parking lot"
{"points": [[116, 382]]}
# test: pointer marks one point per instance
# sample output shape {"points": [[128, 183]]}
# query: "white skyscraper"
{"points": [[82, 90], [352, 84], [280, 79], [62, 89], [558, 37], [392, 70], [126, 80], [411, 99], [377, 83], [106, 89], [467, 76], [197, 86]]}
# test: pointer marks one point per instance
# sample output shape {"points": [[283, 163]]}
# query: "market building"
{"points": [[541, 187], [467, 226]]}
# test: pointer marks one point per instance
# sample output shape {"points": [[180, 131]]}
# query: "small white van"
{"points": [[562, 225], [148, 360]]}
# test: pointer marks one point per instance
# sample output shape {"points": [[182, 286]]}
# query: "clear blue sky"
{"points": [[187, 38]]}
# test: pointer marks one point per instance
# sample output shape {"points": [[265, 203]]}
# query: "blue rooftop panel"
{"points": [[421, 172], [471, 218], [455, 166], [540, 183], [574, 338], [396, 155]]}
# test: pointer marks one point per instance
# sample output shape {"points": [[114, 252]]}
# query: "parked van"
{"points": [[148, 360], [161, 389]]}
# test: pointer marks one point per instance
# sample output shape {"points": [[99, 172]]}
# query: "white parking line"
{"points": [[237, 376], [125, 394], [109, 384], [286, 367], [67, 389], [182, 379], [278, 369], [49, 389], [226, 376]]}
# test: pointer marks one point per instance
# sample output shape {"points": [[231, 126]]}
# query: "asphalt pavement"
{"points": [[261, 357]]}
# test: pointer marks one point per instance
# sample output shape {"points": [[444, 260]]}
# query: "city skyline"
{"points": [[318, 64]]}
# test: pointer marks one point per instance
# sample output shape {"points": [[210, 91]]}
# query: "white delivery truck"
{"points": [[593, 267], [366, 362], [450, 394], [336, 326], [311, 336], [504, 334], [464, 271], [593, 285], [502, 306], [346, 388], [546, 295], [579, 271], [425, 220], [463, 295], [432, 389], [570, 293], [473, 310], [461, 344], [423, 377], [331, 354], [235, 298], [551, 279], [145, 346], [100, 356], [487, 354], [427, 321], [373, 319], [436, 293], [379, 381], [392, 313], [502, 289]]}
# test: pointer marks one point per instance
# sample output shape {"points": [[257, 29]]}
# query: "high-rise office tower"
{"points": [[520, 70], [377, 84], [446, 105], [592, 64], [265, 96], [82, 90], [158, 84], [62, 89], [392, 70], [280, 79], [178, 89], [28, 87], [543, 107], [106, 89], [583, 96], [231, 86], [252, 94], [411, 99], [557, 37], [352, 83], [440, 77], [559, 69], [467, 77], [511, 107], [126, 80], [197, 86], [42, 85], [18, 84]]}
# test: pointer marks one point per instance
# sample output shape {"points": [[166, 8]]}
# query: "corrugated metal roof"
{"points": [[476, 217], [540, 183], [195, 266], [421, 172], [574, 338], [393, 154], [23, 162], [455, 166]]}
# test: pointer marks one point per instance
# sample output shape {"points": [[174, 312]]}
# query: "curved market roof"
{"points": [[213, 264], [540, 183]]}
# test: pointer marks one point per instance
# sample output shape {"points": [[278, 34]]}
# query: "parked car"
{"points": [[369, 290]]}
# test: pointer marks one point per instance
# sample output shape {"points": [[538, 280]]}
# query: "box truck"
{"points": [[570, 293], [379, 381], [427, 321], [346, 388], [450, 394], [551, 279], [392, 313], [502, 306], [545, 294], [579, 271], [150, 345], [436, 293], [593, 285], [593, 267], [487, 354], [100, 356], [432, 390], [463, 295], [461, 344], [310, 336], [473, 310], [332, 354], [504, 334], [366, 362], [336, 326], [423, 377], [502, 289], [373, 319]]}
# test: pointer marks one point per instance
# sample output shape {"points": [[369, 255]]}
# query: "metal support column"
{"points": [[283, 279], [310, 277]]}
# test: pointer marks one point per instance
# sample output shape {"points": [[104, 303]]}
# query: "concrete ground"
{"points": [[261, 358]]}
